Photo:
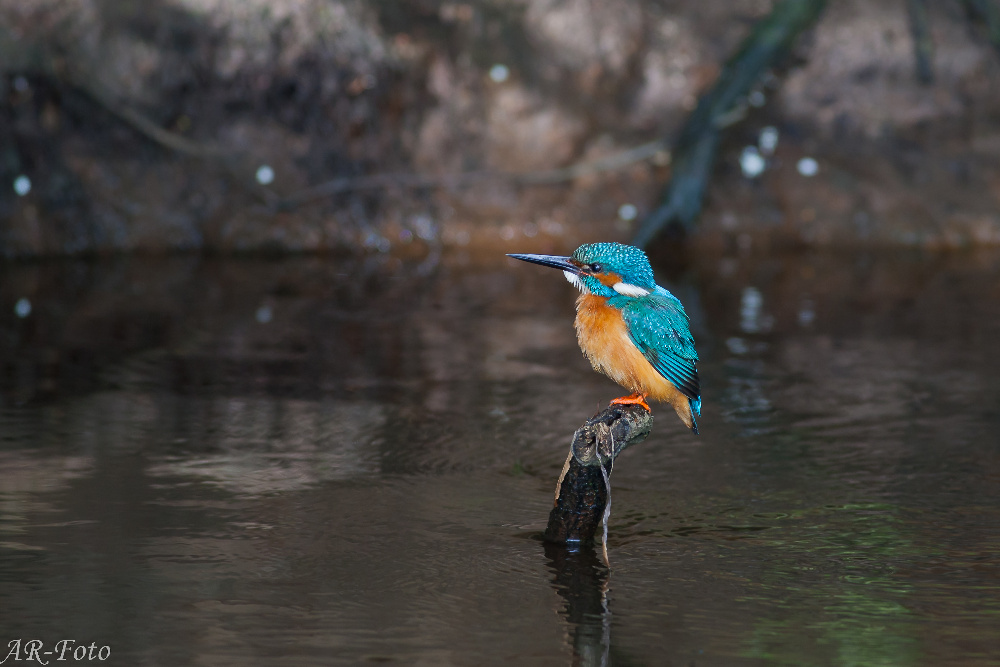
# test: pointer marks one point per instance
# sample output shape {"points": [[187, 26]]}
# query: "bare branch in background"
{"points": [[698, 142]]}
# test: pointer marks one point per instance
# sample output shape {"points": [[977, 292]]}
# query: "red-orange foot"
{"points": [[634, 399]]}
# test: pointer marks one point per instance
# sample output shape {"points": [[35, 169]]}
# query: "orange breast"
{"points": [[602, 335]]}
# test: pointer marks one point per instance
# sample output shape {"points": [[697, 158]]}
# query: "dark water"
{"points": [[339, 461]]}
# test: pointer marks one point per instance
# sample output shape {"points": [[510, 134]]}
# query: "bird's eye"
{"points": [[596, 268]]}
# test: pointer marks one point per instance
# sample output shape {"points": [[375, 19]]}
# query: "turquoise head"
{"points": [[603, 269]]}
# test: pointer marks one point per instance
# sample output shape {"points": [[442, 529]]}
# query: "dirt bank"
{"points": [[164, 126]]}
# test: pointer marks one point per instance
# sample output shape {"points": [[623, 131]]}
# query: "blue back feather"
{"points": [[658, 326]]}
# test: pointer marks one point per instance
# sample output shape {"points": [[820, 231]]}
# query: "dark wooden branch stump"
{"points": [[582, 492]]}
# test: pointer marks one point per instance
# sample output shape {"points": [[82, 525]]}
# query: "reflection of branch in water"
{"points": [[694, 152], [581, 580]]}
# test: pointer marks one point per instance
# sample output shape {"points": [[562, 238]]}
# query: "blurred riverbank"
{"points": [[265, 101]]}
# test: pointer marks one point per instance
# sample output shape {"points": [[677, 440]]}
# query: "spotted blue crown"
{"points": [[627, 261]]}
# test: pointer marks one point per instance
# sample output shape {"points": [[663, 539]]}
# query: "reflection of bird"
{"points": [[630, 328]]}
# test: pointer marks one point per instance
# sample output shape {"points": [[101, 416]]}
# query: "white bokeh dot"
{"points": [[768, 140], [499, 73], [807, 166], [628, 212], [22, 185], [265, 174], [23, 307], [751, 162]]}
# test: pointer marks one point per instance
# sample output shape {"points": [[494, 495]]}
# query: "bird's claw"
{"points": [[634, 399]]}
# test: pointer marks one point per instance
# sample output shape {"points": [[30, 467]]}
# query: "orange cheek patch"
{"points": [[609, 279]]}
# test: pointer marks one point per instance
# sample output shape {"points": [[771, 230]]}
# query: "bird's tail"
{"points": [[695, 404]]}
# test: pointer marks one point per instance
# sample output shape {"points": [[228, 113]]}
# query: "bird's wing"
{"points": [[658, 326]]}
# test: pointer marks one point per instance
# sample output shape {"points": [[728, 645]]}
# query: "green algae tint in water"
{"points": [[318, 462]]}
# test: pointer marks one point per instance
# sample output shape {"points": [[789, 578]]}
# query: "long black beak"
{"points": [[555, 261]]}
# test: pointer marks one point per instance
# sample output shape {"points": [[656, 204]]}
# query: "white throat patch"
{"points": [[576, 282], [628, 289]]}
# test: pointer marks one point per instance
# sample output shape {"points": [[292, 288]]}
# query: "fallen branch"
{"points": [[37, 58], [583, 488], [923, 46], [409, 180], [184, 146], [694, 152], [988, 12], [147, 126]]}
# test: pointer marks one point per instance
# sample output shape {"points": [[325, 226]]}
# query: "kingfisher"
{"points": [[630, 328]]}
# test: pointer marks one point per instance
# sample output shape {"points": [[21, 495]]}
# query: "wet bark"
{"points": [[582, 490]]}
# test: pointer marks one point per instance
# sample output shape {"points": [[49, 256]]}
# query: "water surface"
{"points": [[341, 461]]}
